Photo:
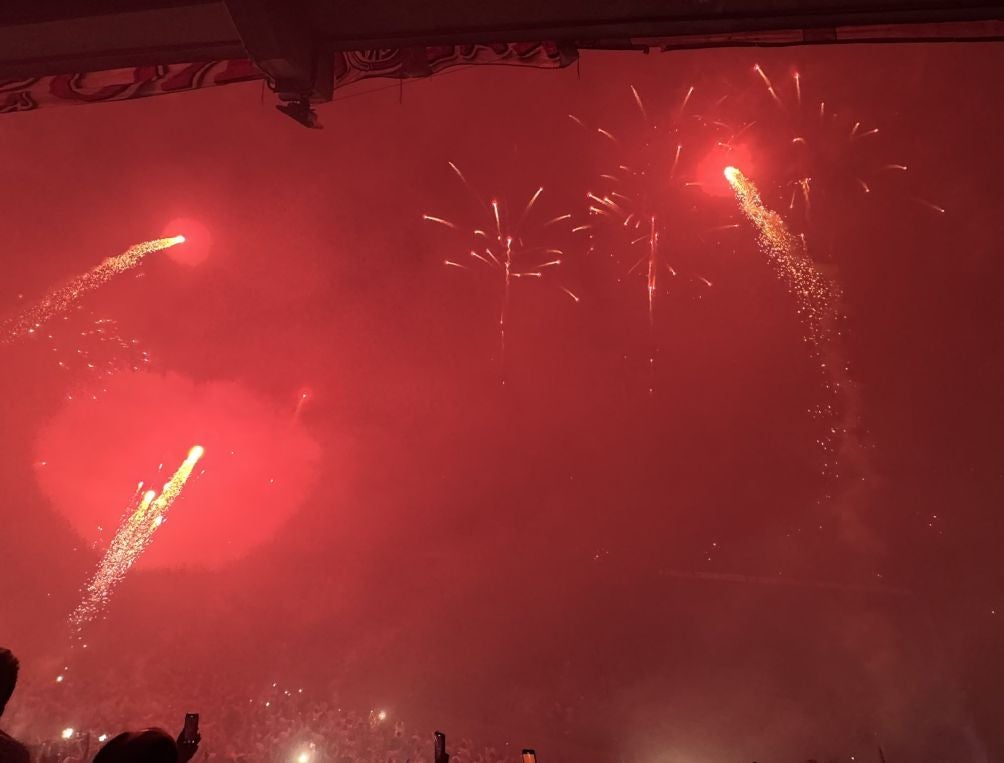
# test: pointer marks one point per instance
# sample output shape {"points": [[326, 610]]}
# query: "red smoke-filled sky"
{"points": [[565, 558], [258, 466]]}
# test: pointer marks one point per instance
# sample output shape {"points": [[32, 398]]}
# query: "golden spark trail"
{"points": [[817, 301], [59, 300], [143, 516], [814, 295]]}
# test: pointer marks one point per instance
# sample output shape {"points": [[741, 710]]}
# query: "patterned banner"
{"points": [[400, 63], [121, 84], [349, 67]]}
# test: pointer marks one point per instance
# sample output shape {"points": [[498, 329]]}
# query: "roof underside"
{"points": [[58, 37]]}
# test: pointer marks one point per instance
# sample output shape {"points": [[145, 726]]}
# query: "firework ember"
{"points": [[61, 299], [145, 513]]}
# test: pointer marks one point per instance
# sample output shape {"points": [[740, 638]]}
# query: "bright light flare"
{"points": [[195, 237], [709, 175], [67, 733]]}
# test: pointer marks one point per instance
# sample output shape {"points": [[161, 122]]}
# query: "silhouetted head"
{"points": [[147, 746], [8, 676]]}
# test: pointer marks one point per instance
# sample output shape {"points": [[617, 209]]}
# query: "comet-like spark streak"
{"points": [[61, 299], [144, 514], [813, 293], [817, 302]]}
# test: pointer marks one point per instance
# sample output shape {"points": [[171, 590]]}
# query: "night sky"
{"points": [[529, 547]]}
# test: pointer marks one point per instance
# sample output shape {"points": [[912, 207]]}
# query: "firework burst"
{"points": [[504, 245], [60, 300], [144, 514], [648, 209], [822, 156]]}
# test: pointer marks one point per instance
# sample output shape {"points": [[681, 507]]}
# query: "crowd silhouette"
{"points": [[277, 724]]}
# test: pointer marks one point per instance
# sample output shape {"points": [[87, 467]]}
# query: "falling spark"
{"points": [[768, 84], [653, 248], [528, 207], [60, 300], [929, 205], [569, 293], [440, 221], [145, 513], [676, 161], [88, 349], [641, 106], [686, 99]]}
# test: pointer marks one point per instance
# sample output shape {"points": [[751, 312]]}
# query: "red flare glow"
{"points": [[709, 171], [196, 241]]}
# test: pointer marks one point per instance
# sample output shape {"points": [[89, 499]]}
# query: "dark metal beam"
{"points": [[149, 34], [39, 37], [348, 24]]}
